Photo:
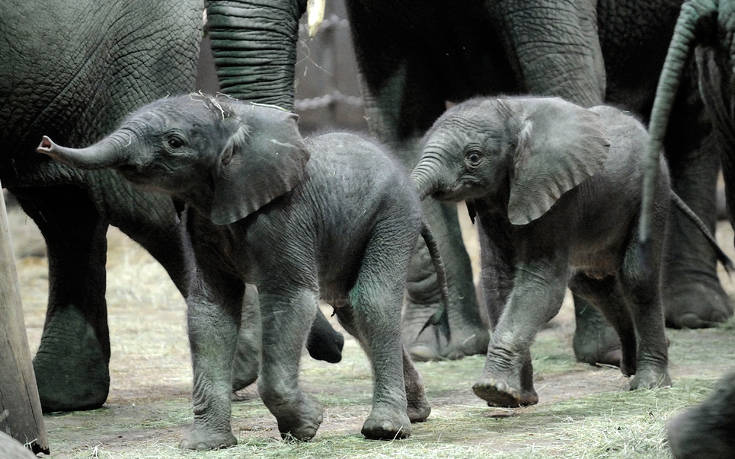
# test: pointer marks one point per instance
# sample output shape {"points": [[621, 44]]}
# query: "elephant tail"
{"points": [[682, 42], [686, 210], [441, 316]]}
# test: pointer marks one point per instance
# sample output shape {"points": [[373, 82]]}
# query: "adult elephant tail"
{"points": [[682, 42]]}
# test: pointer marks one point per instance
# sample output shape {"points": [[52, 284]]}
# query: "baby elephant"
{"points": [[332, 217], [556, 190]]}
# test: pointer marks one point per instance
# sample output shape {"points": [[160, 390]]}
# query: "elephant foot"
{"points": [[418, 410], [699, 304], [650, 378], [72, 371], [297, 420], [498, 392], [705, 431], [386, 423], [202, 439], [431, 344], [325, 345], [595, 340], [507, 380]]}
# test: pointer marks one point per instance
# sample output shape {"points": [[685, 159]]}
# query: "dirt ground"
{"points": [[584, 411]]}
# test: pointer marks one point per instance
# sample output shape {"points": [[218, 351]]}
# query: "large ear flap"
{"points": [[559, 145], [264, 159]]}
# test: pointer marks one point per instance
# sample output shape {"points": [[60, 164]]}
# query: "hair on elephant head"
{"points": [[524, 154], [225, 157]]}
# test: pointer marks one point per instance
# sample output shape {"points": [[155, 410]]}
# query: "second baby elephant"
{"points": [[556, 190], [332, 217]]}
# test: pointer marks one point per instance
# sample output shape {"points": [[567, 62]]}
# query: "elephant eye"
{"points": [[473, 157], [175, 142]]}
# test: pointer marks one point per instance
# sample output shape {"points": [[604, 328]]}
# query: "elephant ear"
{"points": [[264, 159], [559, 145]]}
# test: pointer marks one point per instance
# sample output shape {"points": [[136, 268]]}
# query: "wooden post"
{"points": [[20, 407]]}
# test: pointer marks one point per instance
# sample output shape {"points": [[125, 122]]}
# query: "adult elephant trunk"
{"points": [[254, 48], [668, 84], [111, 151]]}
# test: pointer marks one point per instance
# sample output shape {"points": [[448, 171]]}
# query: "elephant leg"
{"points": [[285, 310], [402, 98], [373, 315], [607, 296], [246, 363], [641, 287], [71, 364], [692, 295], [595, 340], [538, 292], [213, 318]]}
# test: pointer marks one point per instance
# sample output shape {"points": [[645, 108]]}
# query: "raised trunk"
{"points": [[254, 47], [108, 152], [668, 84]]}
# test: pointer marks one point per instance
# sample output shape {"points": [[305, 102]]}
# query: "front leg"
{"points": [[286, 313], [214, 307], [537, 295]]}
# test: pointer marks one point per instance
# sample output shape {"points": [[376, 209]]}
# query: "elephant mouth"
{"points": [[451, 194]]}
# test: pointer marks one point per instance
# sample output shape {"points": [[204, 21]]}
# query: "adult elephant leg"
{"points": [[692, 294], [71, 364], [566, 61], [402, 100]]}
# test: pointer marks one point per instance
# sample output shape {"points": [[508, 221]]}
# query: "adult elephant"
{"points": [[415, 56], [73, 70], [702, 45]]}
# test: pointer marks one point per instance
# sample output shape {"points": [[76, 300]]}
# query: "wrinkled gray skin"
{"points": [[524, 167], [702, 44], [415, 55], [341, 227], [706, 431], [108, 58]]}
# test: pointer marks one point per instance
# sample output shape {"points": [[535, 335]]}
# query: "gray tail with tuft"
{"points": [[441, 316], [686, 210]]}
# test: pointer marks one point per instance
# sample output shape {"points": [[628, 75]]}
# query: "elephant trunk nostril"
{"points": [[46, 145]]}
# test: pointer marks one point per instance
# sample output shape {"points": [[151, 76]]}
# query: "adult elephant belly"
{"points": [[72, 70]]}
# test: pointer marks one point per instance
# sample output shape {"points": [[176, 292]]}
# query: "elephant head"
{"points": [[227, 158], [521, 154]]}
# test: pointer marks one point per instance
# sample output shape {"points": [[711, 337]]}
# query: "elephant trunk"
{"points": [[426, 175], [668, 84], [254, 48], [108, 152]]}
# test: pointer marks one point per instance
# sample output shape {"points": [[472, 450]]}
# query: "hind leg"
{"points": [[641, 288], [606, 295], [418, 408], [375, 301]]}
